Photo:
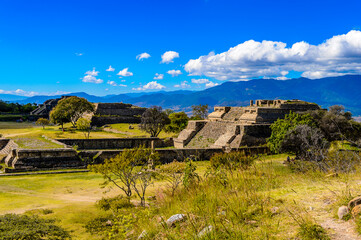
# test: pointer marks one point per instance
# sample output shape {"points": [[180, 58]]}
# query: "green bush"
{"points": [[312, 231], [13, 227], [114, 203], [231, 161]]}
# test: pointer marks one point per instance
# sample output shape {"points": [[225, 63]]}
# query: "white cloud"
{"points": [[110, 69], [143, 56], [200, 81], [114, 84], [211, 84], [79, 54], [158, 76], [21, 92], [91, 79], [182, 85], [174, 73], [168, 56], [150, 86], [125, 73], [336, 56], [92, 73]]}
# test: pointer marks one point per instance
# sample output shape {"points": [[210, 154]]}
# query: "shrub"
{"points": [[13, 226], [114, 203], [173, 173], [312, 231], [231, 161]]}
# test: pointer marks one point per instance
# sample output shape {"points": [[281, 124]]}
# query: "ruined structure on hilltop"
{"points": [[43, 110], [238, 126], [105, 113], [109, 113]]}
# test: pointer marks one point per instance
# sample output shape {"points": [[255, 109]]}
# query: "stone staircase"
{"points": [[225, 139], [208, 135]]}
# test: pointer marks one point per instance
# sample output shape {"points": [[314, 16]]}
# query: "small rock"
{"points": [[221, 213], [205, 231], [356, 211], [275, 210], [342, 211], [142, 235], [354, 202], [109, 223], [175, 219], [311, 208]]}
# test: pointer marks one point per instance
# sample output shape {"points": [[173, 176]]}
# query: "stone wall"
{"points": [[117, 143], [168, 155], [99, 121], [45, 159]]}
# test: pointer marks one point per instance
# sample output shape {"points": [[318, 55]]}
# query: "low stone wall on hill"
{"points": [[168, 155], [117, 143], [60, 158]]}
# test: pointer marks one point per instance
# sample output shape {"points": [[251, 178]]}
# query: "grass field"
{"points": [[28, 135], [71, 197]]}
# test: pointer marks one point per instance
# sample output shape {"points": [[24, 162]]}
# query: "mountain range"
{"points": [[342, 90]]}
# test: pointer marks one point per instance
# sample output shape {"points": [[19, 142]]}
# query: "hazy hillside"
{"points": [[343, 90]]}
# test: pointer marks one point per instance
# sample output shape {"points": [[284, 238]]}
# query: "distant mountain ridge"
{"points": [[344, 90]]}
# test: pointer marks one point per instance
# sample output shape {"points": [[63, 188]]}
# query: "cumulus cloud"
{"points": [[143, 56], [336, 56], [110, 69], [158, 76], [174, 73], [150, 86], [168, 56], [211, 84], [92, 73], [125, 73], [200, 81], [182, 85], [114, 84], [91, 79]]}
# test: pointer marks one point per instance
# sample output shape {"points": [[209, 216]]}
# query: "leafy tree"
{"points": [[282, 126], [59, 115], [200, 111], [13, 227], [168, 112], [73, 108], [153, 121], [42, 122], [84, 125], [129, 171], [178, 122]]}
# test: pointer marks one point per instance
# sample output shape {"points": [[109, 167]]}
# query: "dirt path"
{"points": [[322, 210]]}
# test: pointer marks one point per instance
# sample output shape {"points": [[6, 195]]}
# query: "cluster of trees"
{"points": [[7, 107], [154, 119], [310, 135]]}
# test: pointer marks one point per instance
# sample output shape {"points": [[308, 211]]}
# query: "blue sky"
{"points": [[48, 46]]}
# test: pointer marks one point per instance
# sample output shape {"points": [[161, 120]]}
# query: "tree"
{"points": [[73, 108], [153, 121], [84, 125], [200, 111], [129, 171], [59, 115], [281, 127], [43, 122], [178, 122], [173, 173]]}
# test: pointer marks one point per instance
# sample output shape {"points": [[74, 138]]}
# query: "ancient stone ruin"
{"points": [[238, 126], [43, 110], [109, 113]]}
